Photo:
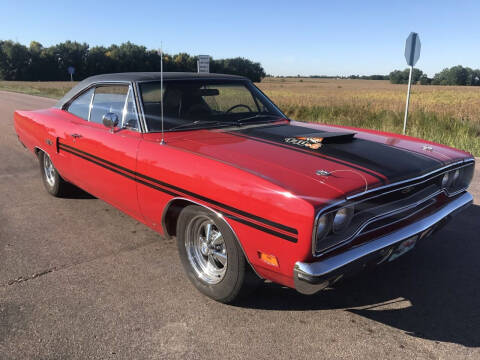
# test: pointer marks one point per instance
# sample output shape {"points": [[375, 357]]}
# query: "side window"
{"points": [[81, 105], [129, 118], [108, 99]]}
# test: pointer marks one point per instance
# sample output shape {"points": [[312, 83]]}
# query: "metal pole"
{"points": [[161, 92], [408, 100]]}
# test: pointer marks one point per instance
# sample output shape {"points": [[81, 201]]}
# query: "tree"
{"points": [[239, 66], [401, 77], [456, 75], [17, 62], [14, 61], [424, 80], [70, 53]]}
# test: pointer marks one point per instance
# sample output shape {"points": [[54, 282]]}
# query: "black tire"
{"points": [[53, 182], [238, 278]]}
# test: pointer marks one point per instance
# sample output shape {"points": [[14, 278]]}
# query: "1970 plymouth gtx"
{"points": [[247, 192]]}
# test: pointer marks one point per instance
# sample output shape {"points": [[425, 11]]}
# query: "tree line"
{"points": [[455, 75], [362, 77], [38, 63]]}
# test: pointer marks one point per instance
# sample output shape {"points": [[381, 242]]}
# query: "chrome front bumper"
{"points": [[312, 277]]}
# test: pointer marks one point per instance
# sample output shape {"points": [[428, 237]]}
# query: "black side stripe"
{"points": [[173, 187], [261, 228], [113, 167], [382, 180]]}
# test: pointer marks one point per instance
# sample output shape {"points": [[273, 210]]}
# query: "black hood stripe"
{"points": [[369, 156], [311, 153]]}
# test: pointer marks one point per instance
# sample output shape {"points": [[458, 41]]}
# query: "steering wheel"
{"points": [[239, 105]]}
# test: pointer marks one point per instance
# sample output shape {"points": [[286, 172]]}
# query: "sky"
{"points": [[286, 37]]}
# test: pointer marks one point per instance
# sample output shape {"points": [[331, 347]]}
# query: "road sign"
{"points": [[412, 49], [71, 71], [412, 54], [203, 64]]}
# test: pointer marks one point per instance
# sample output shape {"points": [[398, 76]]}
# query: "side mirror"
{"points": [[110, 120]]}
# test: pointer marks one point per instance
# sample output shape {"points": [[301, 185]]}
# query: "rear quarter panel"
{"points": [[40, 129]]}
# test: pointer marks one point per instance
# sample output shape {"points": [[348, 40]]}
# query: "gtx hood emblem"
{"points": [[323, 172]]}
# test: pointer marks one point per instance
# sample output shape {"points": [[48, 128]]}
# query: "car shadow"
{"points": [[432, 292], [74, 192]]}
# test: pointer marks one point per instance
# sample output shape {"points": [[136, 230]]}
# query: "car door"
{"points": [[74, 114], [105, 158]]}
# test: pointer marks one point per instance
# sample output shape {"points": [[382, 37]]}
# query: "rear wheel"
{"points": [[52, 180], [211, 255]]}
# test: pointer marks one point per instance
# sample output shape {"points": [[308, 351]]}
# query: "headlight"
{"points": [[342, 219], [461, 178], [456, 176], [324, 225], [445, 180], [457, 180]]}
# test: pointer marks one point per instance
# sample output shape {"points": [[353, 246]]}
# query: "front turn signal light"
{"points": [[269, 259]]}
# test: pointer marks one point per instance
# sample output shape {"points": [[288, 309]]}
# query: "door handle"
{"points": [[76, 136]]}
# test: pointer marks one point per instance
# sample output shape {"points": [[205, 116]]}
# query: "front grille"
{"points": [[384, 210]]}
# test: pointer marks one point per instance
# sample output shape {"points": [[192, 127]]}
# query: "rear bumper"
{"points": [[312, 277]]}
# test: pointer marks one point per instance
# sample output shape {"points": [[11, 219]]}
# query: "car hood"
{"points": [[319, 161]]}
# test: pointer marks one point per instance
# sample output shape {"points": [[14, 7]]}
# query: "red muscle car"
{"points": [[247, 192]]}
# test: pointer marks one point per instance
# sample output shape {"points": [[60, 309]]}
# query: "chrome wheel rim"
{"points": [[206, 249], [49, 170]]}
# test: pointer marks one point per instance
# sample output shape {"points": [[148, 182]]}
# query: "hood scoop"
{"points": [[316, 140], [329, 137]]}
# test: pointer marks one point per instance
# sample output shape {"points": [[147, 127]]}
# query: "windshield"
{"points": [[204, 103]]}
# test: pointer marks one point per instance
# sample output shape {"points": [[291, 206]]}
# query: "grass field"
{"points": [[51, 89], [446, 114]]}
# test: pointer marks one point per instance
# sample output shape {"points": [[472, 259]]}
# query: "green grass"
{"points": [[461, 134], [54, 89]]}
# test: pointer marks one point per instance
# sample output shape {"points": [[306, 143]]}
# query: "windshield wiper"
{"points": [[193, 123], [256, 117], [220, 122]]}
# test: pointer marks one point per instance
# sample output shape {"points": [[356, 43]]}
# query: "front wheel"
{"points": [[211, 255]]}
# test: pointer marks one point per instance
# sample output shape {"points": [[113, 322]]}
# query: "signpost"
{"points": [[71, 71], [203, 64], [412, 53]]}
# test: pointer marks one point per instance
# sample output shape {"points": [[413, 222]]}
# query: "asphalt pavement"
{"points": [[81, 280]]}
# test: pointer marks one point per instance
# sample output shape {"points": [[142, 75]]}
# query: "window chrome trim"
{"points": [[94, 86], [248, 84], [91, 85], [124, 110], [91, 103], [139, 105], [397, 186]]}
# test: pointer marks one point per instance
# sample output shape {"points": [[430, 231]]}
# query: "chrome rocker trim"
{"points": [[312, 277]]}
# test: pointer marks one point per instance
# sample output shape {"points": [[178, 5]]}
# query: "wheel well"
{"points": [[171, 214], [37, 151]]}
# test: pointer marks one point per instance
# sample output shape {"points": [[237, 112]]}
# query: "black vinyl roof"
{"points": [[140, 76]]}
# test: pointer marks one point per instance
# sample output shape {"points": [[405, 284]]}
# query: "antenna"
{"points": [[161, 92]]}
